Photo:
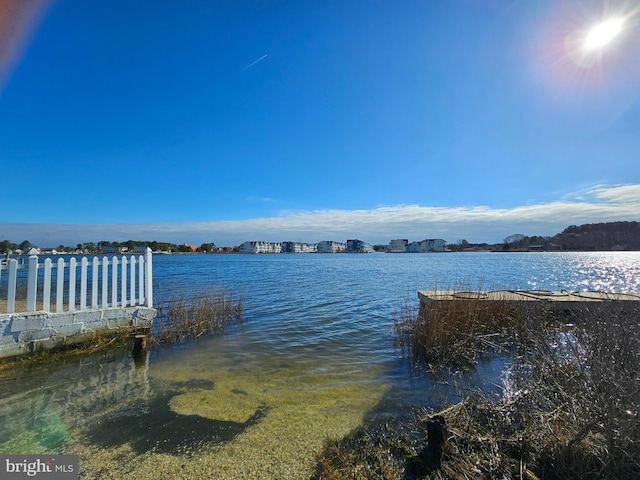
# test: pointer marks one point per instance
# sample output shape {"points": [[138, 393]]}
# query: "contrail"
{"points": [[258, 60]]}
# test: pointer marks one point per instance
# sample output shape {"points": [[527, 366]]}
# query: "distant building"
{"points": [[261, 247], [328, 246], [358, 246], [298, 247], [398, 246], [428, 245]]}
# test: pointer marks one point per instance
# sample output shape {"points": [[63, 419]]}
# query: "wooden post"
{"points": [[139, 345], [436, 433], [429, 459]]}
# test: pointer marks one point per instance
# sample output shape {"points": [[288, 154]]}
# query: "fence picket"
{"points": [[60, 286], [72, 284], [149, 277], [11, 290], [32, 280], [132, 277], [141, 280], [84, 265], [123, 285], [136, 289], [105, 282], [114, 281], [46, 286], [94, 283]]}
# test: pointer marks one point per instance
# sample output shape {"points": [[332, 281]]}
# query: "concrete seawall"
{"points": [[23, 333]]}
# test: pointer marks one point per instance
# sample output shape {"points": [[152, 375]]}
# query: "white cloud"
{"points": [[378, 225]]}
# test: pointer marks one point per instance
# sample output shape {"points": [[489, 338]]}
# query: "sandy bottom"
{"points": [[284, 415]]}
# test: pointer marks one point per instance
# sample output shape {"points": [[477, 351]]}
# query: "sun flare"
{"points": [[603, 33]]}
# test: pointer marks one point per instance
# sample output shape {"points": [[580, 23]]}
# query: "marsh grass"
{"points": [[454, 331], [185, 318], [570, 403]]}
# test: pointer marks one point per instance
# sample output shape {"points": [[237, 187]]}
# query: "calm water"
{"points": [[314, 359]]}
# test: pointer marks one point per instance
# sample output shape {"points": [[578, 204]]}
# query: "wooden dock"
{"points": [[526, 296], [563, 301]]}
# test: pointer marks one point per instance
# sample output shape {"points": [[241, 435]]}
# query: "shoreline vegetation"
{"points": [[569, 407], [595, 237], [184, 318]]}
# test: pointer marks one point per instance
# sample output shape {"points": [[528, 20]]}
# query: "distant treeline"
{"points": [[106, 246], [600, 236], [588, 237]]}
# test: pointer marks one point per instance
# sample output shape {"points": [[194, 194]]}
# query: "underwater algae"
{"points": [[263, 420]]}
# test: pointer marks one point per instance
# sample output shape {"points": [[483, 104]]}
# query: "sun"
{"points": [[603, 33], [591, 45]]}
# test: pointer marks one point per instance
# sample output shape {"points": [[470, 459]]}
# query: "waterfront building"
{"points": [[329, 246], [261, 247], [298, 247], [358, 246], [398, 246], [427, 245]]}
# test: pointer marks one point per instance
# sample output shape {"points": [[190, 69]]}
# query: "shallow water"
{"points": [[315, 359]]}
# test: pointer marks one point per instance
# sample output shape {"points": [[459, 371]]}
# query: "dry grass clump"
{"points": [[455, 331], [379, 451], [189, 318], [570, 406]]}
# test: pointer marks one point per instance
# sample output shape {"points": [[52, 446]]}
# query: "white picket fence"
{"points": [[103, 282]]}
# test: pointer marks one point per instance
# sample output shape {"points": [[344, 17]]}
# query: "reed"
{"points": [[455, 331], [186, 317]]}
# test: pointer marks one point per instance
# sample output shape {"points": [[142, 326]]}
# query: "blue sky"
{"points": [[226, 121]]}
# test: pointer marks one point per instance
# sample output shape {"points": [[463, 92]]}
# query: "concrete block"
{"points": [[87, 316], [5, 326], [10, 348], [144, 316], [30, 335], [55, 320], [7, 340], [117, 313], [95, 324], [22, 322], [67, 330]]}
